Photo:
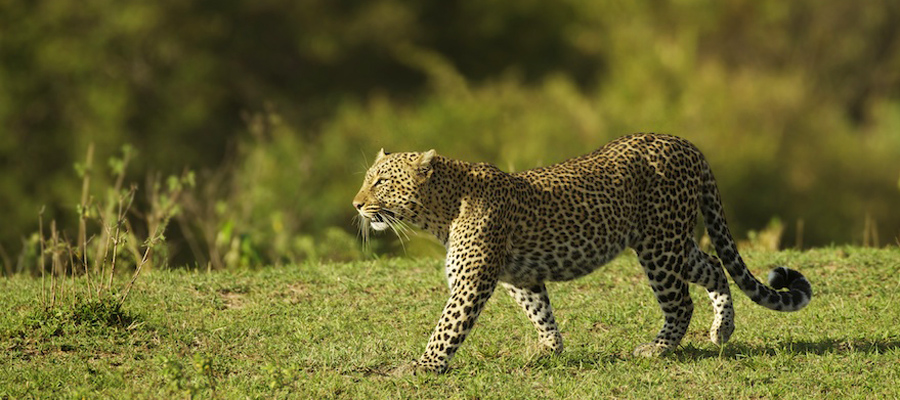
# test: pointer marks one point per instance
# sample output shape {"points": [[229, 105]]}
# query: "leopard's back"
{"points": [[577, 215]]}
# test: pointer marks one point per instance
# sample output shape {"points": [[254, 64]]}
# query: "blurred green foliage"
{"points": [[277, 104]]}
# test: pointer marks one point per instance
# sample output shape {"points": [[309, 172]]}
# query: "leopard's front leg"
{"points": [[469, 293]]}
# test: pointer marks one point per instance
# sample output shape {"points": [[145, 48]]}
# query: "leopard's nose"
{"points": [[357, 204]]}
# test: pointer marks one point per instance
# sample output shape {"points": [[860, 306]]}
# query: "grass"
{"points": [[337, 331]]}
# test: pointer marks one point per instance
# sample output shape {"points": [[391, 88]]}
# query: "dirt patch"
{"points": [[232, 300], [296, 293]]}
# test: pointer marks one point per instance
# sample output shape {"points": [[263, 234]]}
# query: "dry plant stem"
{"points": [[59, 265], [103, 249], [72, 257], [67, 247], [41, 229], [152, 216], [82, 218], [104, 269], [82, 247], [112, 269], [53, 262], [102, 252], [157, 221], [109, 236], [133, 245], [85, 190], [137, 271], [87, 271], [120, 219]]}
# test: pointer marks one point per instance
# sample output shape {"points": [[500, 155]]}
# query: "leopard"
{"points": [[557, 223]]}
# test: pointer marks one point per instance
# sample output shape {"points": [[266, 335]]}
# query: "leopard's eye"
{"points": [[381, 181]]}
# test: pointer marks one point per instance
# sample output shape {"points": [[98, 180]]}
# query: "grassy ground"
{"points": [[337, 330]]}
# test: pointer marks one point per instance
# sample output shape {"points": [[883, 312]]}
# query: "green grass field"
{"points": [[338, 330]]}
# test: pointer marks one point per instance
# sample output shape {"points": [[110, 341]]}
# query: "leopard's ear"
{"points": [[380, 155], [425, 158], [423, 163]]}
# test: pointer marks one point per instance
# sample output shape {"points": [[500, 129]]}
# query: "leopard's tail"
{"points": [[799, 291]]}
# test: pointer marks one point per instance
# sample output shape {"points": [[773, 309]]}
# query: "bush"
{"points": [[796, 105]]}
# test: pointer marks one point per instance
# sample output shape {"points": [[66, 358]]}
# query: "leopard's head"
{"points": [[389, 196]]}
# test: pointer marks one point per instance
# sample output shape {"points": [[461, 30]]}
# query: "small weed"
{"points": [[83, 272], [279, 377], [93, 313], [200, 379], [172, 372]]}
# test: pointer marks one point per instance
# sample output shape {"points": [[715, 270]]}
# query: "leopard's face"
{"points": [[389, 193]]}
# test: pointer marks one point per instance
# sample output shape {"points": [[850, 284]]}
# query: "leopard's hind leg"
{"points": [[663, 263], [706, 270]]}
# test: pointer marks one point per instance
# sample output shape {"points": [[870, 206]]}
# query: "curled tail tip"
{"points": [[786, 278], [781, 277]]}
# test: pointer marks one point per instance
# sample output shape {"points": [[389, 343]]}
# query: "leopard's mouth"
{"points": [[379, 220], [378, 223]]}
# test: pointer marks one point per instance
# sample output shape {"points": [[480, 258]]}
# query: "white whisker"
{"points": [[365, 159], [401, 225], [362, 225], [398, 227]]}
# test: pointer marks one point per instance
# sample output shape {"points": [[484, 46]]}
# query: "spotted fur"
{"points": [[562, 222]]}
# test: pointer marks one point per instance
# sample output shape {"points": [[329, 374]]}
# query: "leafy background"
{"points": [[278, 104]]}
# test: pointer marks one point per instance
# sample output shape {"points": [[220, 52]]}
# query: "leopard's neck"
{"points": [[442, 195]]}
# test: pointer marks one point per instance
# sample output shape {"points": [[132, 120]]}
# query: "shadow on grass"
{"points": [[687, 353], [821, 347]]}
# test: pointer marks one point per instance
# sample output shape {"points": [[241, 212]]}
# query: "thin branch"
{"points": [[53, 243], [119, 221], [85, 191], [149, 246], [41, 256]]}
